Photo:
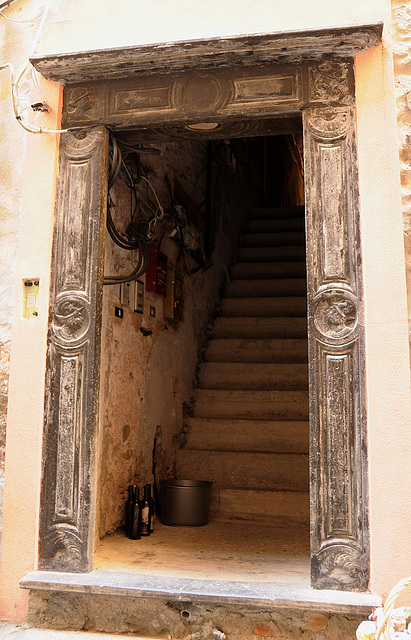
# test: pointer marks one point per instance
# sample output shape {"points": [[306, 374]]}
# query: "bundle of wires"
{"points": [[130, 240]]}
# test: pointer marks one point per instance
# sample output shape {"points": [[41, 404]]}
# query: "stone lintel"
{"points": [[251, 594], [260, 49]]}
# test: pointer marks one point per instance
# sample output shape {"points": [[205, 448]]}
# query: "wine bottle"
{"points": [[145, 512], [129, 506], [135, 524], [152, 508]]}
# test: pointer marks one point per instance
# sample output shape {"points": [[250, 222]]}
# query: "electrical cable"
{"points": [[22, 21]]}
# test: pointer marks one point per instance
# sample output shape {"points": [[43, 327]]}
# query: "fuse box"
{"points": [[156, 276]]}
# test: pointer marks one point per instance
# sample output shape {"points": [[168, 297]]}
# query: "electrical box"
{"points": [[156, 276], [173, 303], [30, 297], [139, 297], [126, 292]]}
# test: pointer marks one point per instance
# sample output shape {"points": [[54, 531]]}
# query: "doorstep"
{"points": [[23, 632], [296, 596]]}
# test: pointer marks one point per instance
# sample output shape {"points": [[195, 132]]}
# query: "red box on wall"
{"points": [[156, 276]]}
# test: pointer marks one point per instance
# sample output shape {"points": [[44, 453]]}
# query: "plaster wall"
{"points": [[385, 318], [167, 20], [26, 389], [15, 41]]}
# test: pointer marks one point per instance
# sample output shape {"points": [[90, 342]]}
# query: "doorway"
{"points": [[235, 99], [155, 368]]}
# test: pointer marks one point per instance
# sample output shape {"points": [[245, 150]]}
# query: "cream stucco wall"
{"points": [[170, 20], [90, 24], [385, 317], [26, 389]]}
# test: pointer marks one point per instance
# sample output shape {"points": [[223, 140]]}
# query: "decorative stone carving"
{"points": [[70, 318], [330, 82], [72, 384], [346, 569], [172, 99], [80, 103], [201, 93], [335, 315], [338, 442]]}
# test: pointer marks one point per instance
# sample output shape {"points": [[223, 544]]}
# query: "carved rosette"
{"points": [[70, 319], [68, 480], [338, 442]]}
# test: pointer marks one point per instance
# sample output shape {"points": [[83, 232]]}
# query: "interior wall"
{"points": [[140, 354]]}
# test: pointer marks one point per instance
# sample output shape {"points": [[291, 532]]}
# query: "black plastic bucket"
{"points": [[185, 502]]}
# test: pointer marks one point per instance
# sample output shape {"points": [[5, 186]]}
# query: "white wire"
{"points": [[23, 21], [29, 127]]}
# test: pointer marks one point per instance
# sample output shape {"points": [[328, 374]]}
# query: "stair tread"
{"points": [[273, 212], [259, 505], [257, 350], [270, 270], [259, 404], [282, 253], [260, 327], [266, 287], [274, 436], [275, 224], [246, 375], [272, 239], [284, 471], [290, 306]]}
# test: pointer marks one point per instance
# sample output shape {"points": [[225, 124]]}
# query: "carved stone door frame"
{"points": [[249, 86]]}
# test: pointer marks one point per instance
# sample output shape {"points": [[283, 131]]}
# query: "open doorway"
{"points": [[216, 387]]}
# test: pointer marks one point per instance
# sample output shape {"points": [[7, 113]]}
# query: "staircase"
{"points": [[249, 431]]}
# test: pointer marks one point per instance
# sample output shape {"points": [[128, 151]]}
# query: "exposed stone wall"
{"points": [[401, 21], [148, 616], [141, 354]]}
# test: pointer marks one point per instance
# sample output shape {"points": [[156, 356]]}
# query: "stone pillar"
{"points": [[72, 381], [338, 438]]}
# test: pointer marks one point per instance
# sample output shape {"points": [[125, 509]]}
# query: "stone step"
{"points": [[259, 505], [266, 288], [271, 254], [250, 404], [277, 212], [295, 306], [259, 270], [274, 436], [277, 239], [268, 471], [257, 350], [240, 375], [275, 225], [260, 327]]}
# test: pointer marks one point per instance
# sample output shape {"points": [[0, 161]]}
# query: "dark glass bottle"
{"points": [[152, 508], [145, 512], [135, 520], [129, 506]]}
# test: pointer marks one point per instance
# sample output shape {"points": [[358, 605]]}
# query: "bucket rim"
{"points": [[186, 484]]}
